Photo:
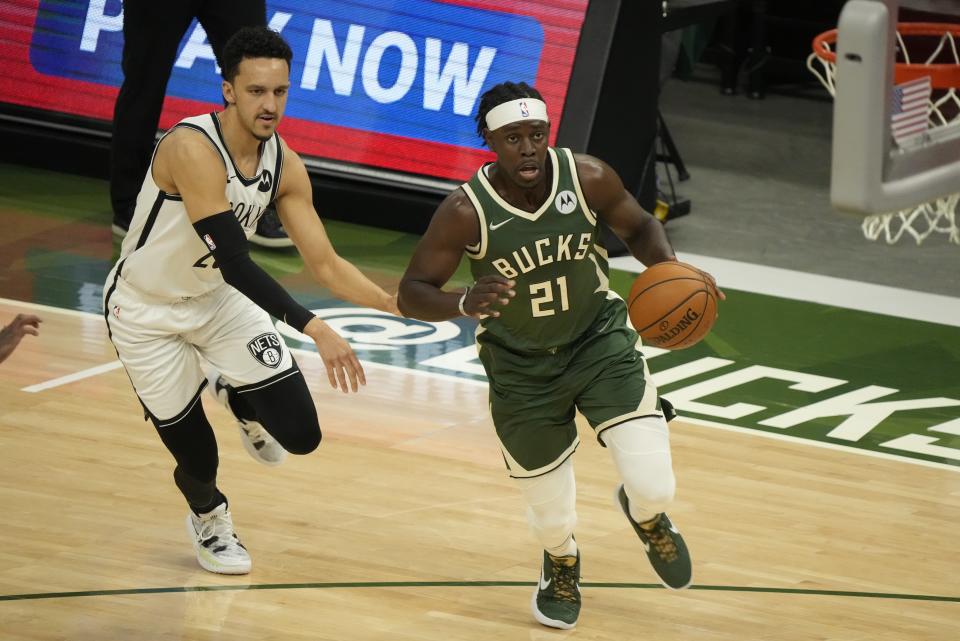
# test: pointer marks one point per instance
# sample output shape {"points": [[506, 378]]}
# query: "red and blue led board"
{"points": [[392, 85]]}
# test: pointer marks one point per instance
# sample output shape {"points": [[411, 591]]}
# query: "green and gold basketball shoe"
{"points": [[665, 547], [556, 602]]}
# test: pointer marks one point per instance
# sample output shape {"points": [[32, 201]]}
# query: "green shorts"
{"points": [[534, 395]]}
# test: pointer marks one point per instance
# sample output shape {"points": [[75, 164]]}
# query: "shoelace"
{"points": [[255, 432], [564, 581], [216, 532], [662, 542]]}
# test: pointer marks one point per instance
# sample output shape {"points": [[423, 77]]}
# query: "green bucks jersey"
{"points": [[553, 254]]}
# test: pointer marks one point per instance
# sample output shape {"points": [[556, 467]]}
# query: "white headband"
{"points": [[515, 111]]}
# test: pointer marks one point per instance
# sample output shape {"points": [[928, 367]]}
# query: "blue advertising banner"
{"points": [[417, 72], [375, 82]]}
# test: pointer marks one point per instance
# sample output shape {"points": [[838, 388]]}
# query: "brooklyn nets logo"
{"points": [[266, 181], [565, 202], [267, 349]]}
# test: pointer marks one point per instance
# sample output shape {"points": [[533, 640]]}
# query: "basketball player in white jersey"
{"points": [[185, 290]]}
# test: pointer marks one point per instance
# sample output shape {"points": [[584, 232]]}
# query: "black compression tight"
{"points": [[284, 408]]}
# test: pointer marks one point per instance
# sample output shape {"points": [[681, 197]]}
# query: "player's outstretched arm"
{"points": [[303, 225], [454, 226], [604, 191], [12, 334], [188, 165], [637, 228]]}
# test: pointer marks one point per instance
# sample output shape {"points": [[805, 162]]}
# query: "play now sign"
{"points": [[414, 69]]}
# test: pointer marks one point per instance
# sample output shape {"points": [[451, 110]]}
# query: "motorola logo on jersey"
{"points": [[565, 202], [266, 181], [267, 349]]}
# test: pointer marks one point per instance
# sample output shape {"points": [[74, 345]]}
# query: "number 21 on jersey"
{"points": [[542, 294]]}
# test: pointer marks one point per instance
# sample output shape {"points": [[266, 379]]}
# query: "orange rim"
{"points": [[942, 76]]}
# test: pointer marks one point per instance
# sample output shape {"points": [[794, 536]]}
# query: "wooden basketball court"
{"points": [[404, 525]]}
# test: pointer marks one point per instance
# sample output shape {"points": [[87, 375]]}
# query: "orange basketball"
{"points": [[672, 305]]}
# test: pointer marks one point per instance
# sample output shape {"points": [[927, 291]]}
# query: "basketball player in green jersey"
{"points": [[553, 338]]}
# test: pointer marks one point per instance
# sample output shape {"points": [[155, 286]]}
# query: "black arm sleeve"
{"points": [[224, 236]]}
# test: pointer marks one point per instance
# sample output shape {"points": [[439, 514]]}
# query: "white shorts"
{"points": [[160, 344]]}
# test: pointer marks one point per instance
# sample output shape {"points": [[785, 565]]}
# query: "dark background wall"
{"points": [[611, 110]]}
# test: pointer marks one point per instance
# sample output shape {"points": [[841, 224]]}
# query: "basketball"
{"points": [[672, 305]]}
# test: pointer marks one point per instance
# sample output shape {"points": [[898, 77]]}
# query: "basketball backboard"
{"points": [[945, 7], [870, 173]]}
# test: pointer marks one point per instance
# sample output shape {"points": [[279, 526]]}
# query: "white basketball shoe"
{"points": [[217, 546], [256, 440]]}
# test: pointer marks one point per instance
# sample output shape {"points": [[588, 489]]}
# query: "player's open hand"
{"points": [[12, 334], [343, 368], [487, 294]]}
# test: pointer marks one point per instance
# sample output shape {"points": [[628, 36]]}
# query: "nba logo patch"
{"points": [[116, 311], [209, 241], [523, 109], [267, 349]]}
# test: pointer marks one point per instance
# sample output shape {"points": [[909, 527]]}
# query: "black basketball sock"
{"points": [[218, 498], [202, 496]]}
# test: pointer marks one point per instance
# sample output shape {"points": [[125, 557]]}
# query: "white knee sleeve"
{"points": [[641, 452], [551, 506]]}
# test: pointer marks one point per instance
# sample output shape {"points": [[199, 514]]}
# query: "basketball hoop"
{"points": [[937, 44]]}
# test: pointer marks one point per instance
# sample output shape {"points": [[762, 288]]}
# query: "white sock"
{"points": [[569, 548]]}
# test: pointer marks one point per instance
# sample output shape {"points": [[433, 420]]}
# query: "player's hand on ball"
{"points": [[343, 368], [487, 294], [713, 283]]}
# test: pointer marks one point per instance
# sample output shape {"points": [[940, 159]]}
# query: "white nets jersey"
{"points": [[161, 255]]}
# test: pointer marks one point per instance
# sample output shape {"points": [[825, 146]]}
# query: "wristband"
{"points": [[463, 299]]}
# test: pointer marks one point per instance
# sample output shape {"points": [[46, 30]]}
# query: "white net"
{"points": [[924, 220]]}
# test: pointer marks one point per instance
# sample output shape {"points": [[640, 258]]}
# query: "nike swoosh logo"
{"points": [[545, 584], [494, 227], [646, 546]]}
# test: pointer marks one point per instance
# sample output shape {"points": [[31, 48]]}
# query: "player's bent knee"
{"points": [[296, 426], [303, 441], [286, 411], [654, 493], [649, 480], [641, 452]]}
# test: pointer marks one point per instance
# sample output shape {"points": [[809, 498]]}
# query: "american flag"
{"points": [[910, 114]]}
